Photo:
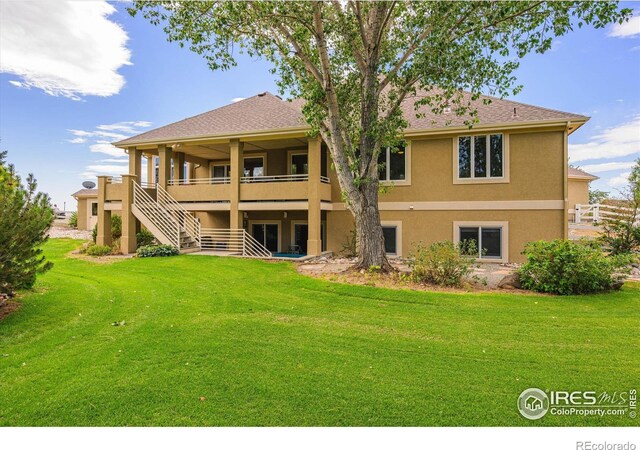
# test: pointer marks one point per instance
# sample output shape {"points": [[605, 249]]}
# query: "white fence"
{"points": [[599, 212]]}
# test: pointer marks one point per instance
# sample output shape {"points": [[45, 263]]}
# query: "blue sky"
{"points": [[82, 76]]}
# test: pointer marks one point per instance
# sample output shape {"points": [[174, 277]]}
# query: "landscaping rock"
{"points": [[617, 285], [510, 282]]}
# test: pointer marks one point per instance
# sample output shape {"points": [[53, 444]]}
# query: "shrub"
{"points": [[73, 220], [350, 245], [116, 228], [442, 263], [25, 218], [570, 267], [149, 251], [98, 250], [144, 238]]}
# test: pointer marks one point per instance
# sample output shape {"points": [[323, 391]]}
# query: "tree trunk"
{"points": [[370, 239]]}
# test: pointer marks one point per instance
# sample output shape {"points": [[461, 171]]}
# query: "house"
{"points": [[87, 208], [579, 181], [246, 179]]}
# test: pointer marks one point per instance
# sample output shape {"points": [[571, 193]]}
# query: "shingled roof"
{"points": [[267, 112], [581, 174], [85, 193]]}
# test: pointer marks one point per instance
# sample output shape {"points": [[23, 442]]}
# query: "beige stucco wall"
{"points": [[535, 172], [82, 214], [578, 192], [432, 226]]}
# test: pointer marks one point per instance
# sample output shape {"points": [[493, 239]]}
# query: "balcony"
{"points": [[200, 189], [280, 187]]}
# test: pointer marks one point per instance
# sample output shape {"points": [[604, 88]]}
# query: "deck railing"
{"points": [[157, 215], [280, 178], [186, 220], [195, 181], [232, 240]]}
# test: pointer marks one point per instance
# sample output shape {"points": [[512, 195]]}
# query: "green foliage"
{"points": [[98, 250], [116, 228], [442, 263], [144, 238], [621, 233], [73, 219], [570, 267], [25, 218], [157, 250], [597, 196]]}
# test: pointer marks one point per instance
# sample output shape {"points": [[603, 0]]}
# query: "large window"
{"points": [[485, 242], [254, 166], [481, 157], [299, 164], [392, 163]]}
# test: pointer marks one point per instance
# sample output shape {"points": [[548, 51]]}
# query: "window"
{"points": [[392, 163], [483, 241], [299, 164], [220, 171], [390, 235], [94, 209], [481, 157], [254, 167]]}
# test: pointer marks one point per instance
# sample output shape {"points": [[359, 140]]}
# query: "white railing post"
{"points": [[596, 213], [577, 213]]}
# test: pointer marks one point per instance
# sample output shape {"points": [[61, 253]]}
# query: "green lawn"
{"points": [[266, 346]]}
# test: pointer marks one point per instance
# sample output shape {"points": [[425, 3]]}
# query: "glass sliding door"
{"points": [[266, 234]]}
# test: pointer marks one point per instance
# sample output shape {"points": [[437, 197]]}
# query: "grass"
{"points": [[226, 341]]}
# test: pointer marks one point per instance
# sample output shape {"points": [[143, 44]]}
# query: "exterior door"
{"points": [[266, 234]]}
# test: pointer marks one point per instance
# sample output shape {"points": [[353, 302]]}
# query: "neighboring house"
{"points": [[578, 188], [87, 208], [254, 180]]}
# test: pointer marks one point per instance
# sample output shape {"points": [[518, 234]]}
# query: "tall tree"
{"points": [[355, 63], [25, 218]]}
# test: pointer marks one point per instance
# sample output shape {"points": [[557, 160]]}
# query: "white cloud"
{"points": [[237, 99], [606, 167], [114, 160], [622, 140], [68, 49], [78, 140], [627, 29], [18, 84], [125, 127], [620, 180], [107, 149]]}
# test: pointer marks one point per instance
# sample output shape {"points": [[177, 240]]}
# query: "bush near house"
{"points": [[144, 238], [73, 220], [442, 263], [98, 250], [116, 229], [149, 251], [571, 267]]}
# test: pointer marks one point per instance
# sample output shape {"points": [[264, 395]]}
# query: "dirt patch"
{"points": [[9, 307], [107, 259], [64, 231]]}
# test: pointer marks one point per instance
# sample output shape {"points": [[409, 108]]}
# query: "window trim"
{"points": [[407, 169], [504, 238], [485, 180], [398, 225], [91, 214], [290, 155]]}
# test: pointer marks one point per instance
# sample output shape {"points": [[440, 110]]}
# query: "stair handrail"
{"points": [[160, 218], [190, 224]]}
